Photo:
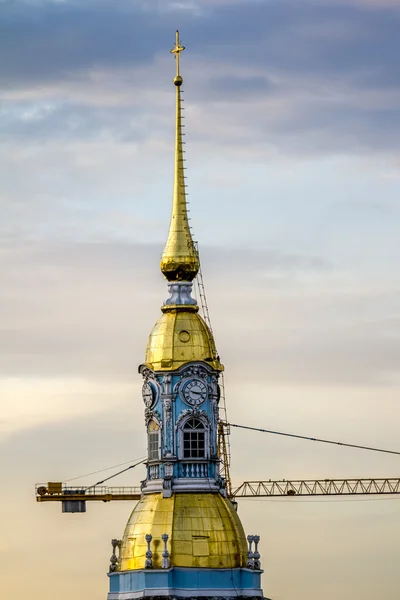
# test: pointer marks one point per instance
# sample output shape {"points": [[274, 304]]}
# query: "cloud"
{"points": [[72, 310], [64, 37], [236, 86], [70, 121], [305, 78], [376, 4], [279, 35]]}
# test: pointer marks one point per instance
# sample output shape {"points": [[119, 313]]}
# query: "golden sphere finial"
{"points": [[178, 80]]}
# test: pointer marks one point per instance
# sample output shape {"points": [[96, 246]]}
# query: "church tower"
{"points": [[184, 538]]}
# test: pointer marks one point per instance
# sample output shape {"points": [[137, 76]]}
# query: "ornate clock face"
{"points": [[195, 392], [149, 394]]}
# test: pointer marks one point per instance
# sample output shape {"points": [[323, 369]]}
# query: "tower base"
{"points": [[191, 596], [179, 582]]}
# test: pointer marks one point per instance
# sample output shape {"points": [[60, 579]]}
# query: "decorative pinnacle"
{"points": [[180, 259], [177, 49]]}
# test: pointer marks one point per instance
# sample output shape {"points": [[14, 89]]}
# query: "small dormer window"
{"points": [[194, 438]]}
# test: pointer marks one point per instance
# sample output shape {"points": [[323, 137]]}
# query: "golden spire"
{"points": [[180, 259]]}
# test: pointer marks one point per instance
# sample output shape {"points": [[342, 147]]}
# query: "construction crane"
{"points": [[73, 498]]}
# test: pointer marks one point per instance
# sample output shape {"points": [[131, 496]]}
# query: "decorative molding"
{"points": [[167, 402], [180, 293], [184, 582], [166, 563], [197, 485], [190, 593], [215, 409], [214, 390], [167, 384], [149, 554], [253, 558], [154, 471], [195, 371], [168, 430], [150, 415], [115, 560], [192, 412], [148, 374], [168, 470]]}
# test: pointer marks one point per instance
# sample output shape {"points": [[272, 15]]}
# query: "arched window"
{"points": [[153, 441], [194, 439]]}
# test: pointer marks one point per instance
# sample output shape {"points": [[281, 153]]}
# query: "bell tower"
{"points": [[181, 369], [184, 537], [181, 417]]}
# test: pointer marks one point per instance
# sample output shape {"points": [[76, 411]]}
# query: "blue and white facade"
{"points": [[186, 583], [182, 419]]}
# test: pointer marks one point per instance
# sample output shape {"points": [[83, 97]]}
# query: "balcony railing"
{"points": [[194, 470], [154, 471]]}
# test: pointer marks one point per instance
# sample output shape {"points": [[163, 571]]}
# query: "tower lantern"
{"points": [[184, 537]]}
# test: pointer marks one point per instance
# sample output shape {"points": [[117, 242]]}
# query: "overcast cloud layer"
{"points": [[314, 76], [293, 161]]}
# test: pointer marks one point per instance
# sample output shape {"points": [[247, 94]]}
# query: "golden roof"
{"points": [[180, 259], [204, 530], [180, 336]]}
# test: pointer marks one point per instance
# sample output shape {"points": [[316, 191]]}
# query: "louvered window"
{"points": [[153, 441]]}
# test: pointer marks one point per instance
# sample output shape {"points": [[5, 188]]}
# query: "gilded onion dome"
{"points": [[204, 530], [180, 336]]}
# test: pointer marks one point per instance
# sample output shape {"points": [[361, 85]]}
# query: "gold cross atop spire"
{"points": [[177, 49], [180, 259]]}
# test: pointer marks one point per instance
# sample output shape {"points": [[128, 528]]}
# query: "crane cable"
{"points": [[119, 473], [313, 439], [105, 469], [292, 435]]}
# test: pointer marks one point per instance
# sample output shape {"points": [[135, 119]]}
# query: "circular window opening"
{"points": [[184, 336]]}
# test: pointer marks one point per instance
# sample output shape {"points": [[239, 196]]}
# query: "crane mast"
{"points": [[223, 442]]}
